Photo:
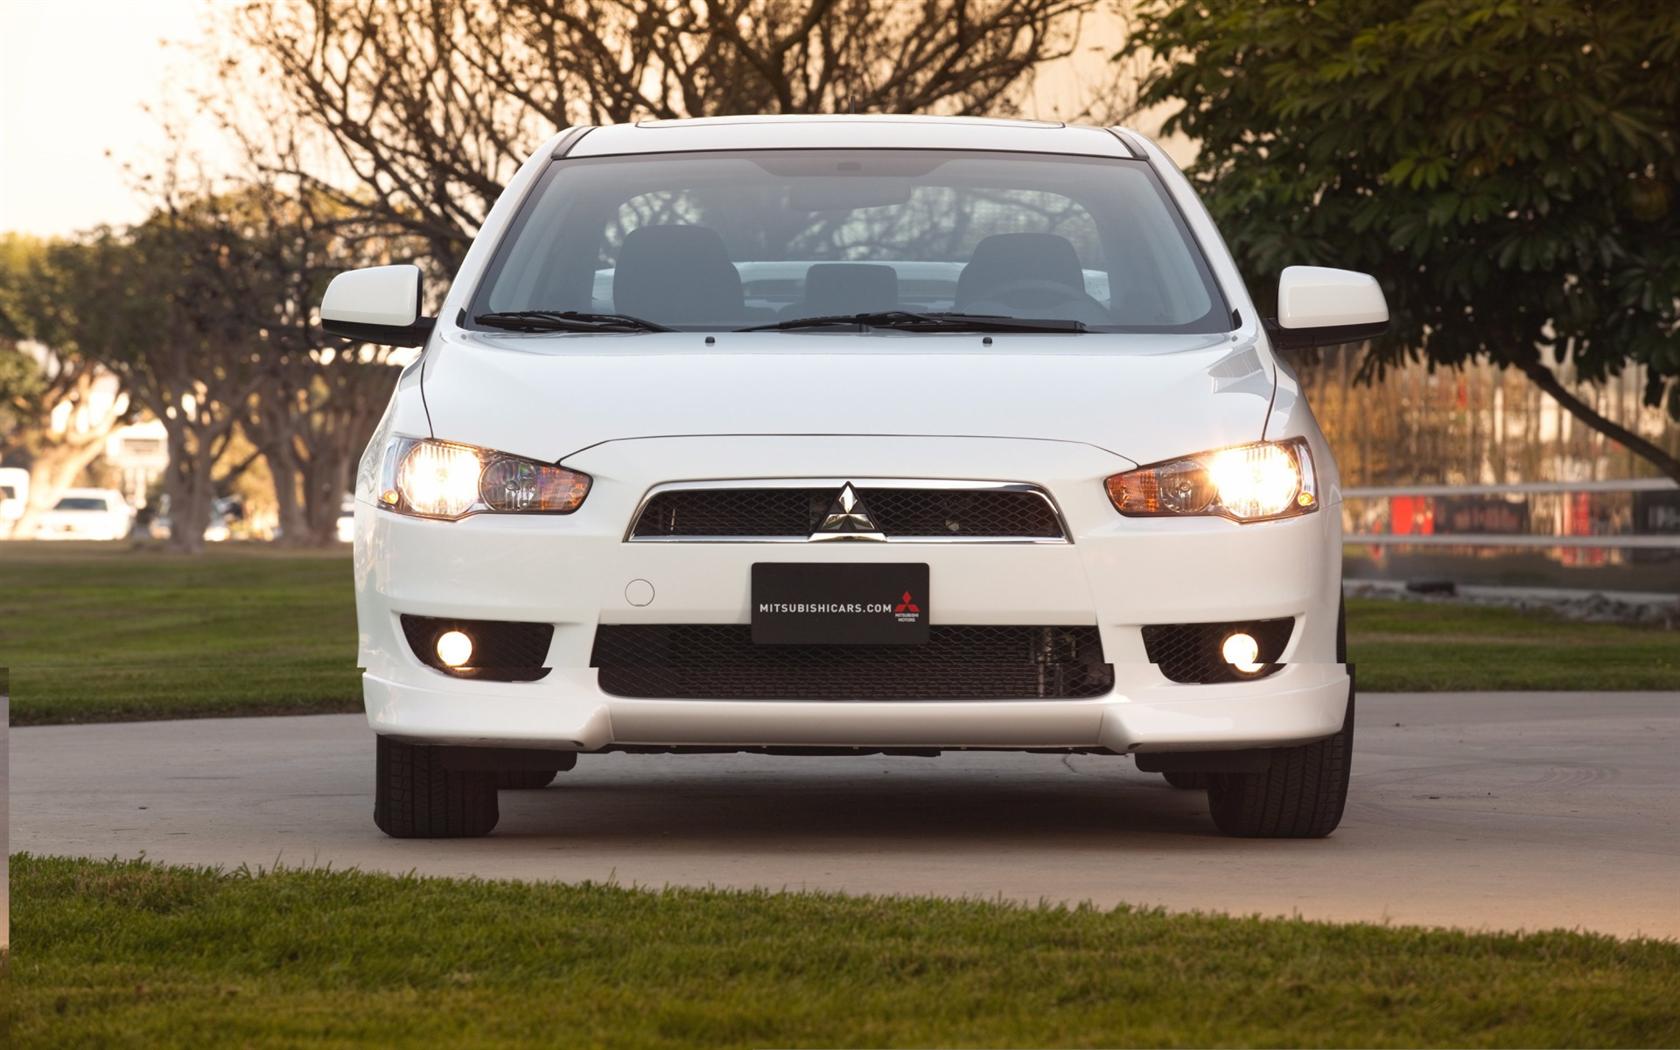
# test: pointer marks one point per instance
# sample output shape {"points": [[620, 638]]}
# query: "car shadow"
{"points": [[695, 804]]}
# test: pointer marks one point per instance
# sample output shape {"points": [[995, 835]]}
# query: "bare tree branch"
{"points": [[425, 107]]}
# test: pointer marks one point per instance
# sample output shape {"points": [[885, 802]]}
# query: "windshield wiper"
{"points": [[943, 321], [567, 321]]}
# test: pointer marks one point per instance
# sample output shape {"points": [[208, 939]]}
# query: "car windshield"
{"points": [[80, 503], [718, 241]]}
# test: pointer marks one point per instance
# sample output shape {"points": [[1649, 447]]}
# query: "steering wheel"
{"points": [[1042, 295]]}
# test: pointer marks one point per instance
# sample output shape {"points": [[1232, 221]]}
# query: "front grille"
{"points": [[898, 512], [962, 512], [1190, 652], [720, 662], [503, 650], [733, 512]]}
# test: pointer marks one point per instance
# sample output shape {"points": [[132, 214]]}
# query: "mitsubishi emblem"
{"points": [[847, 513]]}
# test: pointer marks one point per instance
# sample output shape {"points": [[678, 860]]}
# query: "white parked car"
{"points": [[87, 514], [851, 435], [345, 526], [14, 495]]}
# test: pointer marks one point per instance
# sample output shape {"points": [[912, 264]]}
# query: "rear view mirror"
{"points": [[1319, 306], [379, 304]]}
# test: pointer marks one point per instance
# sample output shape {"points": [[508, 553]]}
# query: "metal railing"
{"points": [[1516, 488], [1629, 540]]}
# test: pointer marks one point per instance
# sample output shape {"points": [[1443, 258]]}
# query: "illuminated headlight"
{"points": [[440, 479], [1258, 482], [435, 479]]}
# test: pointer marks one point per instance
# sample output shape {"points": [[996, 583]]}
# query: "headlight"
{"points": [[1258, 482], [440, 479]]}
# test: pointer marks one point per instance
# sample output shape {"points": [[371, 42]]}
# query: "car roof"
{"points": [[848, 132]]}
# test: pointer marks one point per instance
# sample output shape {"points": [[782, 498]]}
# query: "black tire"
{"points": [[1187, 781], [525, 779], [416, 798], [1303, 792]]}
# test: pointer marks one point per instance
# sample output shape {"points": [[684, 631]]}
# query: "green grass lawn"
{"points": [[1425, 646], [95, 632], [108, 953]]}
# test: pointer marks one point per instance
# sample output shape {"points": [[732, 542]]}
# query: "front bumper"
{"points": [[1118, 573], [1300, 703]]}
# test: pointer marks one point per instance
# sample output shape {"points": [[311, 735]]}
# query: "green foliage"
{"points": [[118, 953], [17, 259], [56, 294], [21, 382], [1508, 169], [70, 296]]}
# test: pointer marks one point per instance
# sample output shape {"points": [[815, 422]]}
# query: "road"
{"points": [[1482, 811]]}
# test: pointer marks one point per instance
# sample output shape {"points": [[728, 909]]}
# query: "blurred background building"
{"points": [[1484, 456]]}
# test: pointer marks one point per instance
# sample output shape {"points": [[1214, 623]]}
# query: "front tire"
{"points": [[525, 779], [415, 797], [1299, 796], [1302, 793]]}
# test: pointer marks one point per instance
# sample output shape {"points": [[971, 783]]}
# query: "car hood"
{"points": [[1142, 397]]}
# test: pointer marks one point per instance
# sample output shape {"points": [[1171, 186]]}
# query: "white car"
{"points": [[87, 514], [14, 495], [823, 435], [345, 526]]}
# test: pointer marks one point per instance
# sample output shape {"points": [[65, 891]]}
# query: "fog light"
{"points": [[1242, 652], [454, 648]]}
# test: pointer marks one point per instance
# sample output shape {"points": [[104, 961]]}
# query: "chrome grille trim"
{"points": [[943, 484]]}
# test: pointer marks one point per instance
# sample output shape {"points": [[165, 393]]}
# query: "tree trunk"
{"points": [[52, 471], [1547, 380], [327, 481], [189, 509], [283, 469], [190, 485]]}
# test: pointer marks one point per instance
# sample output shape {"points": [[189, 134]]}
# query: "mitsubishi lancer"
{"points": [[851, 435]]}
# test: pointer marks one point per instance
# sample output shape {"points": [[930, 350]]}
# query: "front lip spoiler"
{"points": [[1307, 702]]}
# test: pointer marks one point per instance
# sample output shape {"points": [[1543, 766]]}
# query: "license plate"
{"points": [[839, 604]]}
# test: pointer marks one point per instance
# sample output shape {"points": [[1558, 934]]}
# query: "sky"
{"points": [[75, 76]]}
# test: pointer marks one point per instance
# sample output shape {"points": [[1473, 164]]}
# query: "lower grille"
{"points": [[503, 650], [720, 662], [1190, 652]]}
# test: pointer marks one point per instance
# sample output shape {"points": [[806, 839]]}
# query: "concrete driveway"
{"points": [[1485, 811]]}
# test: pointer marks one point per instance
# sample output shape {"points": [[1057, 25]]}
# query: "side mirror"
{"points": [[1319, 306], [379, 304]]}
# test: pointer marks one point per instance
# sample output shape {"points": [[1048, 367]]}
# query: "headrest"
{"points": [[849, 288], [677, 275], [1007, 258]]}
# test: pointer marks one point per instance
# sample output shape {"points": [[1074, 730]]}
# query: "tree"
{"points": [[57, 404], [182, 328], [427, 106], [1508, 169], [321, 400]]}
